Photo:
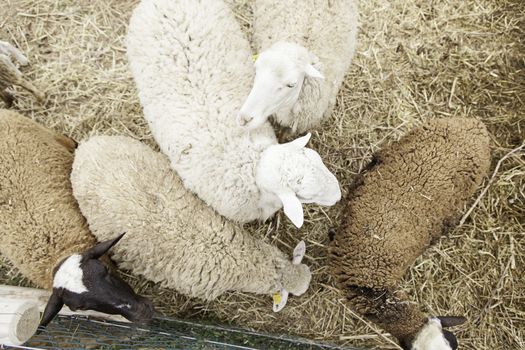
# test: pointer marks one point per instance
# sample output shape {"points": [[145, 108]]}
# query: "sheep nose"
{"points": [[244, 119]]}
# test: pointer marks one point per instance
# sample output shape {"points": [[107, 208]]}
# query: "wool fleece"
{"points": [[40, 222], [412, 193], [172, 237]]}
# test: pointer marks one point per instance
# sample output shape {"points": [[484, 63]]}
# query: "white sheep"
{"points": [[305, 50], [191, 81], [173, 237], [43, 232]]}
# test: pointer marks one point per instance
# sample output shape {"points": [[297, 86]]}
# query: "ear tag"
{"points": [[254, 57], [279, 300]]}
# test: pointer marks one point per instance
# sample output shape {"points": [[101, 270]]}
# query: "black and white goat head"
{"points": [[83, 282], [433, 336]]}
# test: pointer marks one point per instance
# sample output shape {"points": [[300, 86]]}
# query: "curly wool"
{"points": [[173, 237], [192, 67], [328, 29], [411, 195], [40, 221]]}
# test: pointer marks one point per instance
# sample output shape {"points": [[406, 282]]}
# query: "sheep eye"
{"points": [[291, 85]]}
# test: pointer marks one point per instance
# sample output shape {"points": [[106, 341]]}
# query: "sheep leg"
{"points": [[11, 51], [9, 74], [32, 89]]}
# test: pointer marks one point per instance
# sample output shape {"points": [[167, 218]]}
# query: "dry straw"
{"points": [[416, 60]]}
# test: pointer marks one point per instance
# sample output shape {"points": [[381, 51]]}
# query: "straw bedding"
{"points": [[415, 61]]}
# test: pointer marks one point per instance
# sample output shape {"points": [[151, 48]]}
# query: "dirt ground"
{"points": [[415, 60]]}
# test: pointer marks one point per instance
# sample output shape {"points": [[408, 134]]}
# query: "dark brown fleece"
{"points": [[40, 222], [414, 191]]}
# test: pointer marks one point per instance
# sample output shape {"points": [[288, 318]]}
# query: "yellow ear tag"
{"points": [[277, 298], [254, 57]]}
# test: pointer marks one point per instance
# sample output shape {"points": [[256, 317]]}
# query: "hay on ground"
{"points": [[415, 60]]}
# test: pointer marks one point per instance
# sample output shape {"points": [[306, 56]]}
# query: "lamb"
{"points": [[10, 75], [409, 197], [305, 50], [173, 237], [43, 232], [190, 82]]}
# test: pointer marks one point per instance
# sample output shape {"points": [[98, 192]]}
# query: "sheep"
{"points": [[43, 232], [191, 82], [174, 238], [409, 197], [10, 75], [305, 50]]}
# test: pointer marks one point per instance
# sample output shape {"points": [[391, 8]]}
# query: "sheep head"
{"points": [[433, 336], [295, 278], [83, 282], [280, 72], [296, 175]]}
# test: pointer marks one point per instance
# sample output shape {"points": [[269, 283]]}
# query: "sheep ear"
{"points": [[293, 208], [279, 300], [451, 321], [312, 72], [101, 248], [53, 307], [298, 253], [300, 142], [451, 339]]}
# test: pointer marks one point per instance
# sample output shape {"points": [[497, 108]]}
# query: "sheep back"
{"points": [[173, 238], [192, 66], [40, 221], [413, 193]]}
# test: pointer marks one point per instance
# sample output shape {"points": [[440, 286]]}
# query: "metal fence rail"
{"points": [[75, 332]]}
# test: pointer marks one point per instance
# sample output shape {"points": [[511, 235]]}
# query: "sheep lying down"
{"points": [[412, 194], [42, 230], [174, 238]]}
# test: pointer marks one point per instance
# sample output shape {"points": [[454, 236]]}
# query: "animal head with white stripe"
{"points": [[432, 336], [83, 282], [296, 174], [280, 73]]}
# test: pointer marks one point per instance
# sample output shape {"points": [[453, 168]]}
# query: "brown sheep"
{"points": [[411, 194], [10, 75], [42, 230]]}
